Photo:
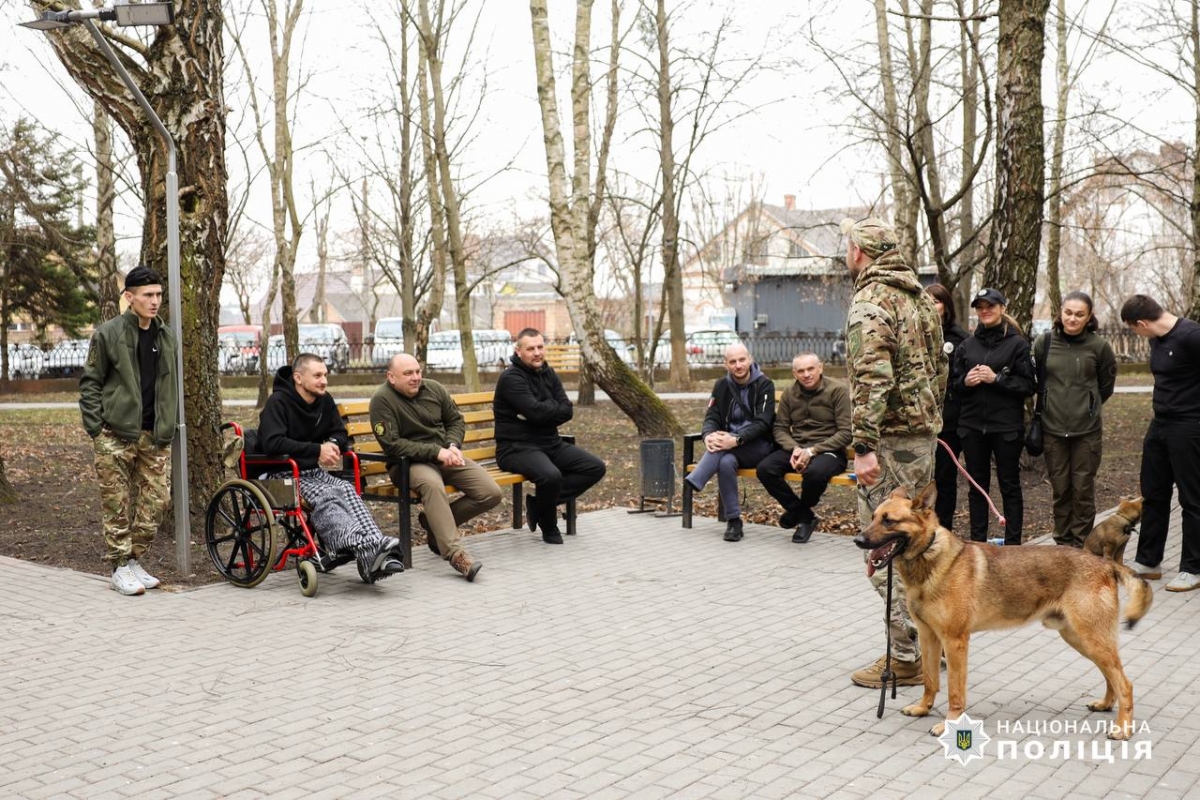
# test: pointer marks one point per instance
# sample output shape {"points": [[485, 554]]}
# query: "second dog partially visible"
{"points": [[1108, 539]]}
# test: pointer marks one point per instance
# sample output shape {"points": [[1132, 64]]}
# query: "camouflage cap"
{"points": [[873, 236]]}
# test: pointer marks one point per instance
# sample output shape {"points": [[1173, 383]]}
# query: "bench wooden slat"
{"points": [[478, 414]]}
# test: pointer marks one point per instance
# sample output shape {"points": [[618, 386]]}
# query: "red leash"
{"points": [[991, 505]]}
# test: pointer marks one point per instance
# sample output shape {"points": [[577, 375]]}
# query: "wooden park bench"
{"points": [[564, 357], [689, 464], [479, 445]]}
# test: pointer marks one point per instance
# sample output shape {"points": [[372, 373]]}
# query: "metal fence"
{"points": [[66, 359]]}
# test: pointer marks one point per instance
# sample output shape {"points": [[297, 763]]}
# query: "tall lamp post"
{"points": [[150, 14]]}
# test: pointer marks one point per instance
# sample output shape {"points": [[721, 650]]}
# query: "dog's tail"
{"points": [[1140, 594]]}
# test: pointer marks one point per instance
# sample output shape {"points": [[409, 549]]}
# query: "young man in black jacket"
{"points": [[530, 404], [1171, 450], [300, 420], [737, 432]]}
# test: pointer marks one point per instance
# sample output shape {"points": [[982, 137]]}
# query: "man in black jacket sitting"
{"points": [[301, 420], [737, 431], [530, 404]]}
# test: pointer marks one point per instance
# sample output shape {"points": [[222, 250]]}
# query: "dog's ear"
{"points": [[900, 493], [925, 498]]}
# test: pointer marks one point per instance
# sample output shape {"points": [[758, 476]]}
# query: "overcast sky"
{"points": [[790, 144]]}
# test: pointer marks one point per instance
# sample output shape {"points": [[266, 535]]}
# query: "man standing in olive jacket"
{"points": [[812, 425], [129, 405], [530, 405], [416, 419]]}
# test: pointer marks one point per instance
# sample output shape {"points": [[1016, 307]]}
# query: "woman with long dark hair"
{"points": [[945, 472], [993, 374], [1081, 372]]}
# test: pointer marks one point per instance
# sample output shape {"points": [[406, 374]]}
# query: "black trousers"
{"points": [[1170, 458], [979, 449], [945, 478], [821, 469], [560, 472]]}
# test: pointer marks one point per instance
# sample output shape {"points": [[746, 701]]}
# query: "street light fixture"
{"points": [[142, 14]]}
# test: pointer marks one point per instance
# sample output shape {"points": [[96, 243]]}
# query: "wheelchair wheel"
{"points": [[306, 572], [239, 533]]}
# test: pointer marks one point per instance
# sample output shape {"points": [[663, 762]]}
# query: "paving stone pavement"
{"points": [[637, 660]]}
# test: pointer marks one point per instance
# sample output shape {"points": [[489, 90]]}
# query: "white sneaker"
{"points": [[1184, 582], [124, 582], [1149, 573], [143, 577]]}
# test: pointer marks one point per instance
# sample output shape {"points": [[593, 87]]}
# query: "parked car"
{"points": [[492, 350], [323, 339], [66, 359], [389, 340], [25, 361], [707, 347], [837, 353], [625, 351], [238, 349]]}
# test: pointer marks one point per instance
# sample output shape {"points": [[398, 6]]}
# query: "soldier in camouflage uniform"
{"points": [[898, 375], [130, 405]]}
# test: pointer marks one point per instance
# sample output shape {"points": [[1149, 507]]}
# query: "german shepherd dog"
{"points": [[1108, 539], [956, 588]]}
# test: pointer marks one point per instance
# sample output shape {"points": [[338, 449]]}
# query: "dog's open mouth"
{"points": [[880, 556]]}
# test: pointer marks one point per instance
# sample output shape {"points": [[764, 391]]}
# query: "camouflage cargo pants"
{"points": [[903, 461], [135, 488]]}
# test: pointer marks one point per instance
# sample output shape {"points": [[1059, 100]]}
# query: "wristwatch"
{"points": [[740, 441], [862, 448]]}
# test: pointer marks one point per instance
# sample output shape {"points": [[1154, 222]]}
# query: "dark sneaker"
{"points": [[551, 537], [391, 566], [908, 673], [531, 511], [733, 530], [804, 531], [465, 565], [371, 557], [430, 539]]}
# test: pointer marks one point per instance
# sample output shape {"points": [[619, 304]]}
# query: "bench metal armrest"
{"points": [[689, 448]]}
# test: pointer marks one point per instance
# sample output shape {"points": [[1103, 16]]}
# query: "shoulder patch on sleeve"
{"points": [[379, 429], [92, 354]]}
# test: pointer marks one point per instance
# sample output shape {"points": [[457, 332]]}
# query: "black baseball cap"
{"points": [[992, 296]]}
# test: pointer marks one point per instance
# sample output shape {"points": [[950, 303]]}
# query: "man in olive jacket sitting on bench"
{"points": [[812, 425], [417, 418]]}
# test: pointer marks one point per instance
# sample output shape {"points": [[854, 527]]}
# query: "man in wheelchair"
{"points": [[300, 420]]}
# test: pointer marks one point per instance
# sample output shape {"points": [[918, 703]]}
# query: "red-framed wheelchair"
{"points": [[256, 526]]}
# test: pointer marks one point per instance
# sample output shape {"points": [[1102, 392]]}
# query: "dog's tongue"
{"points": [[876, 555]]}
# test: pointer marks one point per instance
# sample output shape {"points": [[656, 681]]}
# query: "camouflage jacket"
{"points": [[894, 356]]}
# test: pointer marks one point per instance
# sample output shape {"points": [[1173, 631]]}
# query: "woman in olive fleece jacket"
{"points": [[1081, 373]]}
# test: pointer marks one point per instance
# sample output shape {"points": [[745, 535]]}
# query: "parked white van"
{"points": [[492, 350], [389, 340]]}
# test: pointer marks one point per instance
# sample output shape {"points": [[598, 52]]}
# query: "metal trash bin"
{"points": [[658, 472]]}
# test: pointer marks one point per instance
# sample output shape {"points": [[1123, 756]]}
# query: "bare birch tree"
{"points": [[571, 199], [1020, 156], [106, 238]]}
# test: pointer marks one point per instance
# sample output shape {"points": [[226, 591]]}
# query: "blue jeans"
{"points": [[725, 464]]}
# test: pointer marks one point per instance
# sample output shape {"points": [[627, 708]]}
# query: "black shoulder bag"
{"points": [[1035, 439]]}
